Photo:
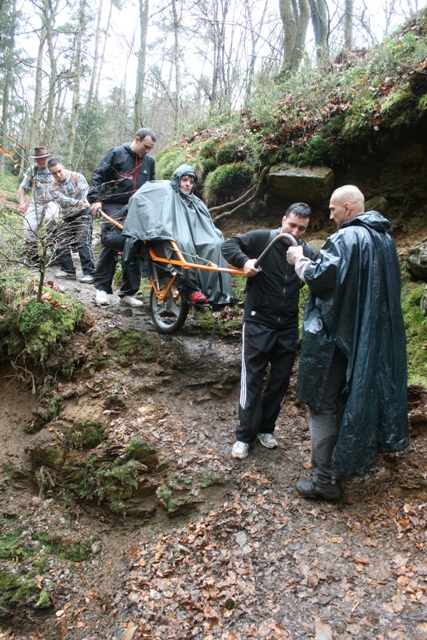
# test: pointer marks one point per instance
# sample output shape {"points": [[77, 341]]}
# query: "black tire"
{"points": [[170, 315]]}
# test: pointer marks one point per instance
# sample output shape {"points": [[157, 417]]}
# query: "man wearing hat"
{"points": [[41, 208]]}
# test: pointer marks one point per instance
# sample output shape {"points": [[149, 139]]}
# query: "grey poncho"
{"points": [[160, 211]]}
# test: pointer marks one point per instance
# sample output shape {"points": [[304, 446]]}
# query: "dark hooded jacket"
{"points": [[161, 211], [272, 295], [119, 175], [354, 304]]}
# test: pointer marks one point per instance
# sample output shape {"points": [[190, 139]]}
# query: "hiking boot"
{"points": [[66, 274], [131, 301], [88, 279], [267, 440], [309, 489], [101, 297], [240, 450]]}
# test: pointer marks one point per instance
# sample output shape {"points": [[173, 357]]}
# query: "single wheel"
{"points": [[169, 315]]}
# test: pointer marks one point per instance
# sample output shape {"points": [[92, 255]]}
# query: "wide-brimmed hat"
{"points": [[41, 152]]}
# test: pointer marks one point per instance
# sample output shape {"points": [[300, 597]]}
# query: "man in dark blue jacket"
{"points": [[352, 373], [270, 329], [118, 176]]}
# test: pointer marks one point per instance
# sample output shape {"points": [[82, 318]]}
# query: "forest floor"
{"points": [[250, 558]]}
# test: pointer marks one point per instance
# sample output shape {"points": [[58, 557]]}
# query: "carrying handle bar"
{"points": [[114, 222], [282, 236]]}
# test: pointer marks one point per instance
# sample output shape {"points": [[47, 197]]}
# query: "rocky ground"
{"points": [[204, 547]]}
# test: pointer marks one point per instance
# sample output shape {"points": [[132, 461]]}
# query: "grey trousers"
{"points": [[47, 213], [325, 422]]}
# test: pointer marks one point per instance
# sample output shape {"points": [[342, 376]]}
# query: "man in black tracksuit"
{"points": [[270, 329], [122, 172]]}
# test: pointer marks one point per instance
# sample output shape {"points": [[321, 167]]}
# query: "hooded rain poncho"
{"points": [[160, 211]]}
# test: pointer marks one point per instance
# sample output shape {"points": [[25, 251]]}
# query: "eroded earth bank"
{"points": [[124, 517]]}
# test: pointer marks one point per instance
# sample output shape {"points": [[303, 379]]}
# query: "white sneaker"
{"points": [[268, 440], [65, 274], [240, 450], [87, 279], [101, 297], [131, 301]]}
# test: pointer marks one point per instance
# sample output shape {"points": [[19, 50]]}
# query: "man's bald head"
{"points": [[346, 203]]}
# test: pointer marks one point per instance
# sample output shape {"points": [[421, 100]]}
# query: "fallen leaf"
{"points": [[361, 559]]}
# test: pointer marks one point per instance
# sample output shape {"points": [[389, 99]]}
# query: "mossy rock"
{"points": [[44, 601], [208, 149], [203, 166], [396, 106], [227, 180], [167, 162], [135, 344], [317, 151], [16, 592], [416, 261], [309, 184], [48, 450], [43, 324], [416, 331], [144, 452], [231, 151], [87, 435]]}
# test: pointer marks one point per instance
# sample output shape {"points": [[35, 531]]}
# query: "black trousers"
{"points": [[76, 234], [263, 346], [113, 244]]}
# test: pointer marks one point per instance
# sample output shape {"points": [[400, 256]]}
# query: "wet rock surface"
{"points": [[124, 516], [417, 261]]}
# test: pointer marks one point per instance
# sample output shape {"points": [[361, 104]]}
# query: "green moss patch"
{"points": [[32, 328], [9, 547], [111, 480], [416, 332], [17, 591], [227, 179], [87, 435], [75, 553], [132, 343], [167, 162]]}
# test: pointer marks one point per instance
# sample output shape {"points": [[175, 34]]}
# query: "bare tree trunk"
{"points": [[176, 22], [295, 16], [53, 79], [8, 52], [348, 25], [37, 111], [156, 93], [77, 76], [320, 22], [218, 28], [107, 30], [142, 54], [4, 120], [95, 56], [254, 36]]}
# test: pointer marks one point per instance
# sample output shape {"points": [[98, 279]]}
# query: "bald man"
{"points": [[352, 373]]}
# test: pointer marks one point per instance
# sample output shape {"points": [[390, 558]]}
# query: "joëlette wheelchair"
{"points": [[168, 308]]}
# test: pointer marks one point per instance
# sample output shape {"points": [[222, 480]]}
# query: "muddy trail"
{"points": [[124, 517]]}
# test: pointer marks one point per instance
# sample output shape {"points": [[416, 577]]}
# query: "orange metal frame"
{"points": [[183, 263], [179, 262]]}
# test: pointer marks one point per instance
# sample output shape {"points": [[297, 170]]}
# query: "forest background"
{"points": [[82, 76]]}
